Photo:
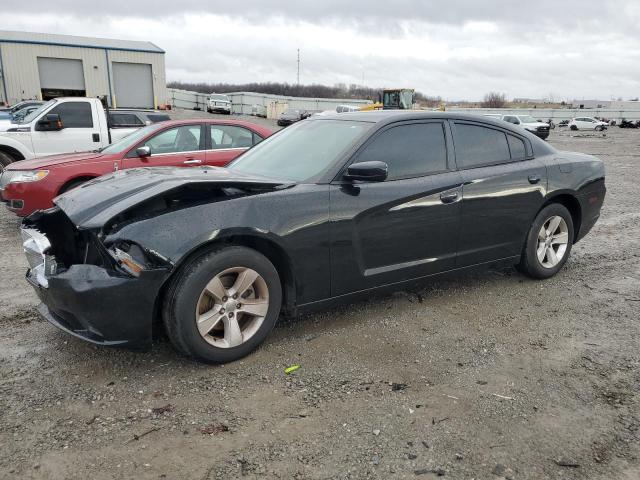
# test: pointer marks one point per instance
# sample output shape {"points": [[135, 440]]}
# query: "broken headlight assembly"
{"points": [[129, 257]]}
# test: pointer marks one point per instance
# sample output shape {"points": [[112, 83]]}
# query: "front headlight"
{"points": [[22, 176]]}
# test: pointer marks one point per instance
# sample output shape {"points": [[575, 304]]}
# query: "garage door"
{"points": [[60, 73], [133, 84]]}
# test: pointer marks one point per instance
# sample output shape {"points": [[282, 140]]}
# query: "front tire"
{"points": [[72, 184], [573, 127], [5, 161], [222, 304], [548, 243]]}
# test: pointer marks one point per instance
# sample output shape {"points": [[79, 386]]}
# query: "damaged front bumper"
{"points": [[97, 303], [88, 302]]}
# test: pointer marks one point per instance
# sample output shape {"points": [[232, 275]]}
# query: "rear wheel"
{"points": [[574, 128], [223, 304], [548, 243], [5, 161]]}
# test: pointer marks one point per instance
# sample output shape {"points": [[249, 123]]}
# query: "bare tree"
{"points": [[339, 90], [494, 100]]}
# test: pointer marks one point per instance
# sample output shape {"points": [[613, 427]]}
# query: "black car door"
{"points": [[504, 187], [402, 228]]}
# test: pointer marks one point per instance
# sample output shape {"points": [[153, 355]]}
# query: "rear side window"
{"points": [[409, 150], [74, 114], [230, 136], [516, 145], [158, 117], [477, 146], [125, 120]]}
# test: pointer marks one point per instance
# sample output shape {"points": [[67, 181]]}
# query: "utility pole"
{"points": [[298, 67]]}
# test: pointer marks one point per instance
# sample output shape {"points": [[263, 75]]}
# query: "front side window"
{"points": [[175, 140], [74, 114], [409, 150], [476, 146], [230, 136]]}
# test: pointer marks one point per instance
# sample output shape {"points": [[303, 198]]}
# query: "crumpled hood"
{"points": [[51, 160], [96, 202]]}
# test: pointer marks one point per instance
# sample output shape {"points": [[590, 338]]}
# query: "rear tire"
{"points": [[222, 304], [574, 128], [5, 161], [548, 242]]}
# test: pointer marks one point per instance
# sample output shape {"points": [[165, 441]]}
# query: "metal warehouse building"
{"points": [[43, 66]]}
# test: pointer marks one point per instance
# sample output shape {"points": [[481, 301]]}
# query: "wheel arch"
{"points": [[83, 178], [571, 203], [267, 247], [14, 153]]}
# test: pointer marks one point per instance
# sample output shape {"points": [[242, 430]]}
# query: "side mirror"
{"points": [[143, 152], [367, 171], [51, 122]]}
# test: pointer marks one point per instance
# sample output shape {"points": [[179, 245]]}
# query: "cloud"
{"points": [[456, 49]]}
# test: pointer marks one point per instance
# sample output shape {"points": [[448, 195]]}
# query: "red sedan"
{"points": [[30, 185]]}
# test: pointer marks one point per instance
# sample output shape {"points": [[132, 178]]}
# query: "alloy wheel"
{"points": [[553, 238], [232, 307]]}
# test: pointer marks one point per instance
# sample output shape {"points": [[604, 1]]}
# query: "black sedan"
{"points": [[331, 209], [288, 117]]}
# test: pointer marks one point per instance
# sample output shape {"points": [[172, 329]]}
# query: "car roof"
{"points": [[256, 127], [384, 117], [390, 116]]}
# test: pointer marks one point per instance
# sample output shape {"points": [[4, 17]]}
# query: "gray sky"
{"points": [[458, 49]]}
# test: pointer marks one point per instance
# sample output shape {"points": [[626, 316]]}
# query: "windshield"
{"points": [[527, 119], [220, 97], [301, 152], [130, 140], [28, 118]]}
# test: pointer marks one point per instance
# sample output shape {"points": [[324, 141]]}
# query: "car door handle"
{"points": [[192, 161], [534, 179], [448, 197]]}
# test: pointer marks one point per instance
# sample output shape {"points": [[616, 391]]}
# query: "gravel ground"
{"points": [[484, 376]]}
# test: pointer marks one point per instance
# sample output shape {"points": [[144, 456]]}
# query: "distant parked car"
{"points": [[258, 110], [563, 123], [31, 185], [539, 129], [291, 116], [495, 116], [219, 103], [587, 123], [134, 118], [347, 108], [624, 123]]}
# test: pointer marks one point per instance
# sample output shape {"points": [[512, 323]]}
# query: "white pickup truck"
{"points": [[62, 125]]}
